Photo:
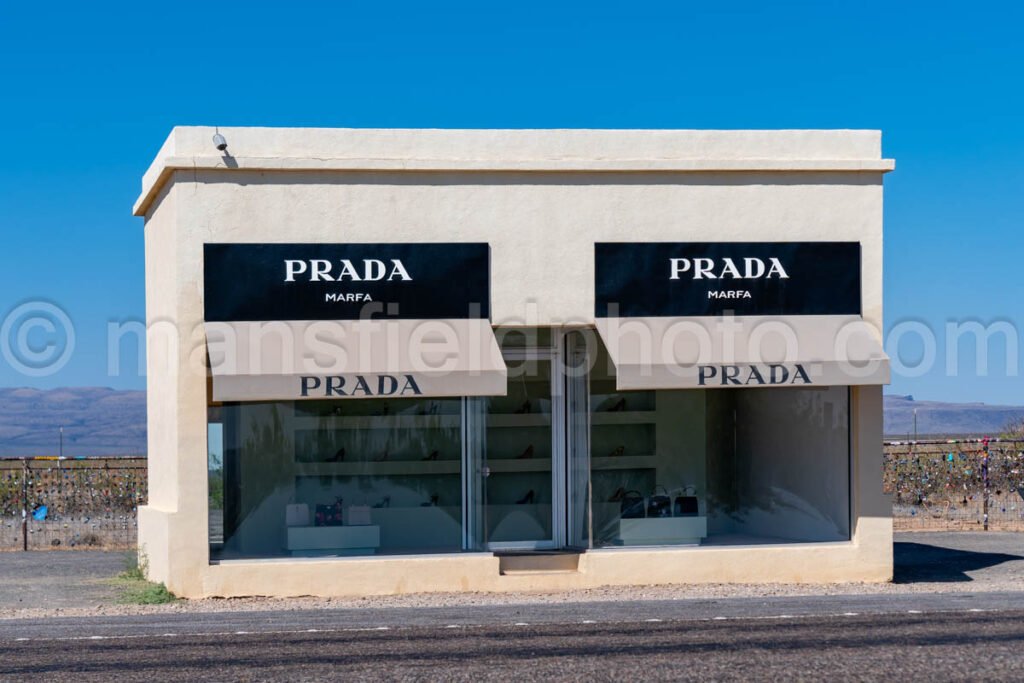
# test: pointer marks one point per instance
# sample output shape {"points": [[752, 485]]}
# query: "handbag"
{"points": [[659, 504], [686, 504], [328, 515], [632, 505]]}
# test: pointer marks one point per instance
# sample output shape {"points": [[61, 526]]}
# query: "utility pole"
{"points": [[62, 441]]}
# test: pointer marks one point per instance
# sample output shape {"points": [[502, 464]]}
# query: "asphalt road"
{"points": [[936, 646]]}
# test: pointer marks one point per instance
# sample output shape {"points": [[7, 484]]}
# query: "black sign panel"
{"points": [[712, 278], [263, 282]]}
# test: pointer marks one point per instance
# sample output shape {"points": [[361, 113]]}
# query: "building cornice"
{"points": [[609, 155]]}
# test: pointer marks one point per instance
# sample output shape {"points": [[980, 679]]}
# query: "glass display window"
{"points": [[564, 460], [708, 466], [332, 478]]}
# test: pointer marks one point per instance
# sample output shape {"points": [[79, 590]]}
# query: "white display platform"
{"points": [[344, 540], [663, 530]]}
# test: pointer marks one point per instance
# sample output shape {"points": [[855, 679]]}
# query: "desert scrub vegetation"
{"points": [[135, 588]]}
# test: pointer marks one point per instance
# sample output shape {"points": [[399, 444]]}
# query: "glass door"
{"points": [[576, 371], [518, 453]]}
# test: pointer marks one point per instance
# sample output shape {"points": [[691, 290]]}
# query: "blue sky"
{"points": [[89, 91]]}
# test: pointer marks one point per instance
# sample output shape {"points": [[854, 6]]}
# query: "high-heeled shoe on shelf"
{"points": [[523, 409], [617, 452], [527, 454], [430, 409], [617, 496], [619, 406], [385, 502], [339, 455], [433, 455], [382, 457], [527, 499], [434, 500]]}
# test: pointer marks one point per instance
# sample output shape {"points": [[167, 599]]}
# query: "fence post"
{"points": [[984, 476], [24, 504]]}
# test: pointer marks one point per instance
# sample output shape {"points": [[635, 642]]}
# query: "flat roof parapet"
{"points": [[555, 150]]}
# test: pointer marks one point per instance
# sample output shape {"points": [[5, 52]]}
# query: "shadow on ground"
{"points": [[919, 562]]}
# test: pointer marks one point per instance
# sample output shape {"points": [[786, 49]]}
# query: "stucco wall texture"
{"points": [[540, 199]]}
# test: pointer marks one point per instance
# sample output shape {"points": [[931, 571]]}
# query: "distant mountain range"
{"points": [[101, 421], [934, 417], [96, 421]]}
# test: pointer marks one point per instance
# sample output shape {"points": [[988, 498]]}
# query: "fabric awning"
{"points": [[286, 360], [731, 352]]}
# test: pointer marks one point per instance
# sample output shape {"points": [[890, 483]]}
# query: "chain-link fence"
{"points": [[956, 484], [52, 503]]}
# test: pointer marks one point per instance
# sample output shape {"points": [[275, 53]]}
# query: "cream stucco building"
{"points": [[387, 361]]}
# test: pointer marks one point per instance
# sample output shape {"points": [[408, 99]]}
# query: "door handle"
{"points": [[485, 472]]}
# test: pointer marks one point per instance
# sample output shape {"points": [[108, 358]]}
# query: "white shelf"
{"points": [[524, 465], [397, 512], [392, 467], [526, 420], [625, 462], [378, 422], [663, 530], [541, 510], [624, 417]]}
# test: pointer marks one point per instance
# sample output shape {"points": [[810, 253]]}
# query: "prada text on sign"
{"points": [[355, 386], [266, 282], [711, 278], [752, 375]]}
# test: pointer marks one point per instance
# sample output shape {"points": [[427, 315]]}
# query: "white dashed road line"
{"points": [[212, 634]]}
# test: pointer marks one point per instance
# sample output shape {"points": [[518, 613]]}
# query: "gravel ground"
{"points": [[73, 584], [49, 582]]}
